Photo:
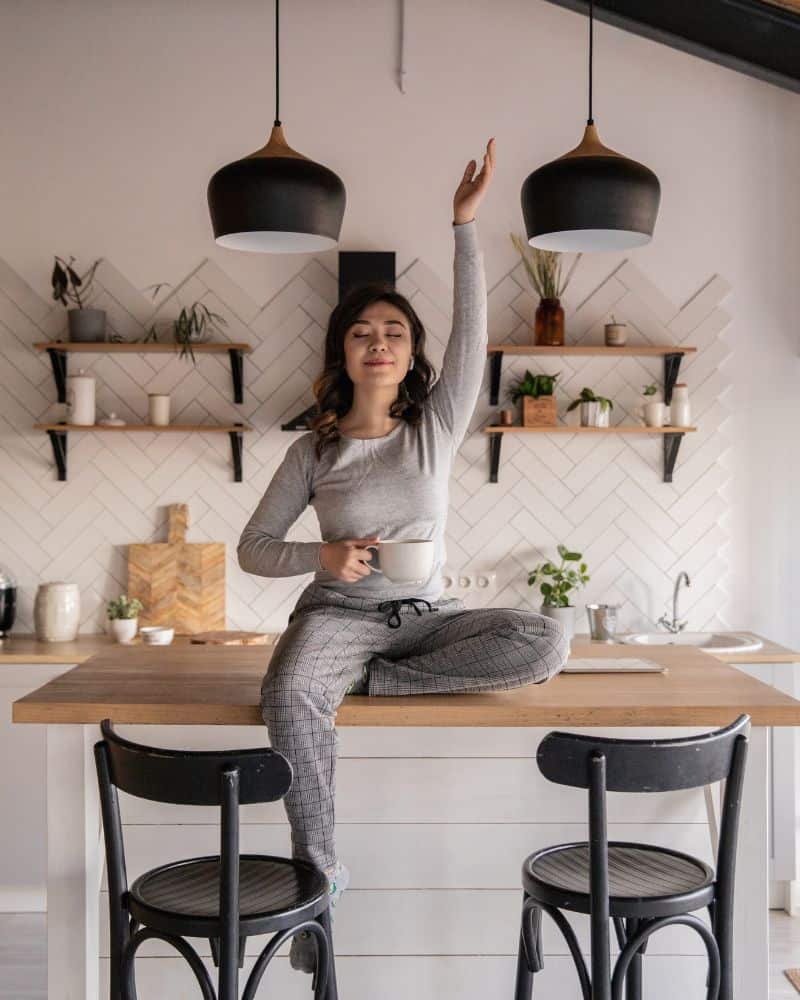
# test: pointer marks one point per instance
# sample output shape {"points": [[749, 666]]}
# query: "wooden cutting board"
{"points": [[180, 583], [231, 638]]}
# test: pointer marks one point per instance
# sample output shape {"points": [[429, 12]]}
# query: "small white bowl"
{"points": [[157, 635]]}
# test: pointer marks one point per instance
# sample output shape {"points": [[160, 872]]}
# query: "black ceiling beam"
{"points": [[750, 36]]}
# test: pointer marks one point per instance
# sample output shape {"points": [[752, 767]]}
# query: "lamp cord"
{"points": [[277, 64], [591, 57]]}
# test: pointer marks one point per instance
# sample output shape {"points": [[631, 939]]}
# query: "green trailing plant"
{"points": [[121, 607], [544, 268], [533, 385], [650, 390], [587, 396], [556, 581], [69, 288], [192, 325]]}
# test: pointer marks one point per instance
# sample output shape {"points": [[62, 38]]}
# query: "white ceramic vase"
{"points": [[680, 410], [57, 611], [566, 616], [594, 415], [124, 629]]}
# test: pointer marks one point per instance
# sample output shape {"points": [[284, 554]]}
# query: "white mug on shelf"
{"points": [[158, 409], [653, 414], [404, 560]]}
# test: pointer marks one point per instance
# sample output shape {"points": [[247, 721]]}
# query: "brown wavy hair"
{"points": [[334, 387]]}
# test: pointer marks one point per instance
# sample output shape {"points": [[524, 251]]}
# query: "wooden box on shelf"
{"points": [[539, 412]]}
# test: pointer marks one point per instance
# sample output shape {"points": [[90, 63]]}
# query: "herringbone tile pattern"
{"points": [[601, 495]]}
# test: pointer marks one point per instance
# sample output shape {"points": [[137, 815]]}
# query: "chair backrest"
{"points": [[642, 765], [603, 764], [194, 777]]}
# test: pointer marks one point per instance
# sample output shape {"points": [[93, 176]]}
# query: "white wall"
{"points": [[116, 114]]}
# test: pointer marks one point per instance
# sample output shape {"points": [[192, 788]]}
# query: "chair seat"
{"points": [[643, 880], [183, 896]]}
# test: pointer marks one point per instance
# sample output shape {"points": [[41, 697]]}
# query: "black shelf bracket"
{"points": [[236, 452], [496, 362], [58, 439], [672, 443], [236, 372], [58, 359], [672, 365], [300, 422], [495, 444]]}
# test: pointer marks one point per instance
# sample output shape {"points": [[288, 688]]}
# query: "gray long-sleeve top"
{"points": [[394, 486]]}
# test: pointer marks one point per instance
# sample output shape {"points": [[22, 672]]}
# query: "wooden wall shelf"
{"points": [[672, 440], [57, 433], [671, 353], [58, 350]]}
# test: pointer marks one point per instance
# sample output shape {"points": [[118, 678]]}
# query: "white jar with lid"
{"points": [[80, 399], [680, 411], [57, 611]]}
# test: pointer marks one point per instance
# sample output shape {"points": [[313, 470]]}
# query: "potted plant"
{"points": [[124, 617], [555, 583], [538, 401], [544, 273], [616, 334], [595, 410], [70, 289], [193, 325], [653, 409]]}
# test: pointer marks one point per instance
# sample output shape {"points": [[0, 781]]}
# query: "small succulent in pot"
{"points": [[74, 292], [123, 614], [555, 582], [595, 410]]}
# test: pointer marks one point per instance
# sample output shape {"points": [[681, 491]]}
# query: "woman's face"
{"points": [[377, 347]]}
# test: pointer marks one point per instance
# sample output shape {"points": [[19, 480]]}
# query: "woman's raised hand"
{"points": [[347, 559], [471, 190]]}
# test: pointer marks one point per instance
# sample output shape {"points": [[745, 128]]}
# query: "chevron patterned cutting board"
{"points": [[180, 583]]}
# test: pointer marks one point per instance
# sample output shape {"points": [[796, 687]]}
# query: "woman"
{"points": [[378, 460]]}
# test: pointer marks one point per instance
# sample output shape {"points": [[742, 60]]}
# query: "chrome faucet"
{"points": [[675, 625]]}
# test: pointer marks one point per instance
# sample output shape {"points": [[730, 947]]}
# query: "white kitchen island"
{"points": [[439, 800]]}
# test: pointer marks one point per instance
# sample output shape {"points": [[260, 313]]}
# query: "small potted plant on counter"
{"points": [[124, 617], [544, 273], [555, 584], [70, 289], [653, 410], [538, 401], [595, 410]]}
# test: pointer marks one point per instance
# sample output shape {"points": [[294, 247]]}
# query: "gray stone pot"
{"points": [[87, 325], [564, 615]]}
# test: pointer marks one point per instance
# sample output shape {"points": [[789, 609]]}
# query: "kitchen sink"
{"points": [[715, 642]]}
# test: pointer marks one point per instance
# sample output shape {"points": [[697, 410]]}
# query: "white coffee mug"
{"points": [[404, 560], [158, 409], [653, 414]]}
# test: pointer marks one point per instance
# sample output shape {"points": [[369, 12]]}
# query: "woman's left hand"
{"points": [[471, 190]]}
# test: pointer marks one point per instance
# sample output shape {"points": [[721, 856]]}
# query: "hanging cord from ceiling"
{"points": [[277, 63], [591, 59]]}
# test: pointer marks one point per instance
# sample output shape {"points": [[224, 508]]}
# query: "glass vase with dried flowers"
{"points": [[544, 273]]}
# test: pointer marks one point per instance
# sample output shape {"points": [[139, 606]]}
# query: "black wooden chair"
{"points": [[226, 897], [640, 887]]}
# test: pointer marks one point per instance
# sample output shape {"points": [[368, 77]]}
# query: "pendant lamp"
{"points": [[276, 200], [591, 198]]}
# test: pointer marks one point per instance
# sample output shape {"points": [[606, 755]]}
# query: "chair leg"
{"points": [[633, 977], [529, 958], [331, 990]]}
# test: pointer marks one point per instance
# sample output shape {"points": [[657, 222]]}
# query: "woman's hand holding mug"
{"points": [[347, 560]]}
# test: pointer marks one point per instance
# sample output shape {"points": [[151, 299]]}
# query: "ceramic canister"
{"points": [[158, 409], [80, 399], [57, 611], [680, 411]]}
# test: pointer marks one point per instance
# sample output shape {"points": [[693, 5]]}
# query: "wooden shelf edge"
{"points": [[186, 428], [565, 429], [131, 347], [630, 350]]}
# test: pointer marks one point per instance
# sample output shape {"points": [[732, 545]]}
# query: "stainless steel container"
{"points": [[602, 621]]}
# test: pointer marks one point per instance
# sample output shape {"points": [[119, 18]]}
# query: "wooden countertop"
{"points": [[221, 686], [22, 648]]}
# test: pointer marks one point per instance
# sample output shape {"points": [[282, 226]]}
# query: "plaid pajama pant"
{"points": [[332, 638]]}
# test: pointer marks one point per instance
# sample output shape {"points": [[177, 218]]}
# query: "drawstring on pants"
{"points": [[393, 621]]}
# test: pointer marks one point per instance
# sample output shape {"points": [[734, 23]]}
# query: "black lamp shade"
{"points": [[590, 203], [276, 204]]}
